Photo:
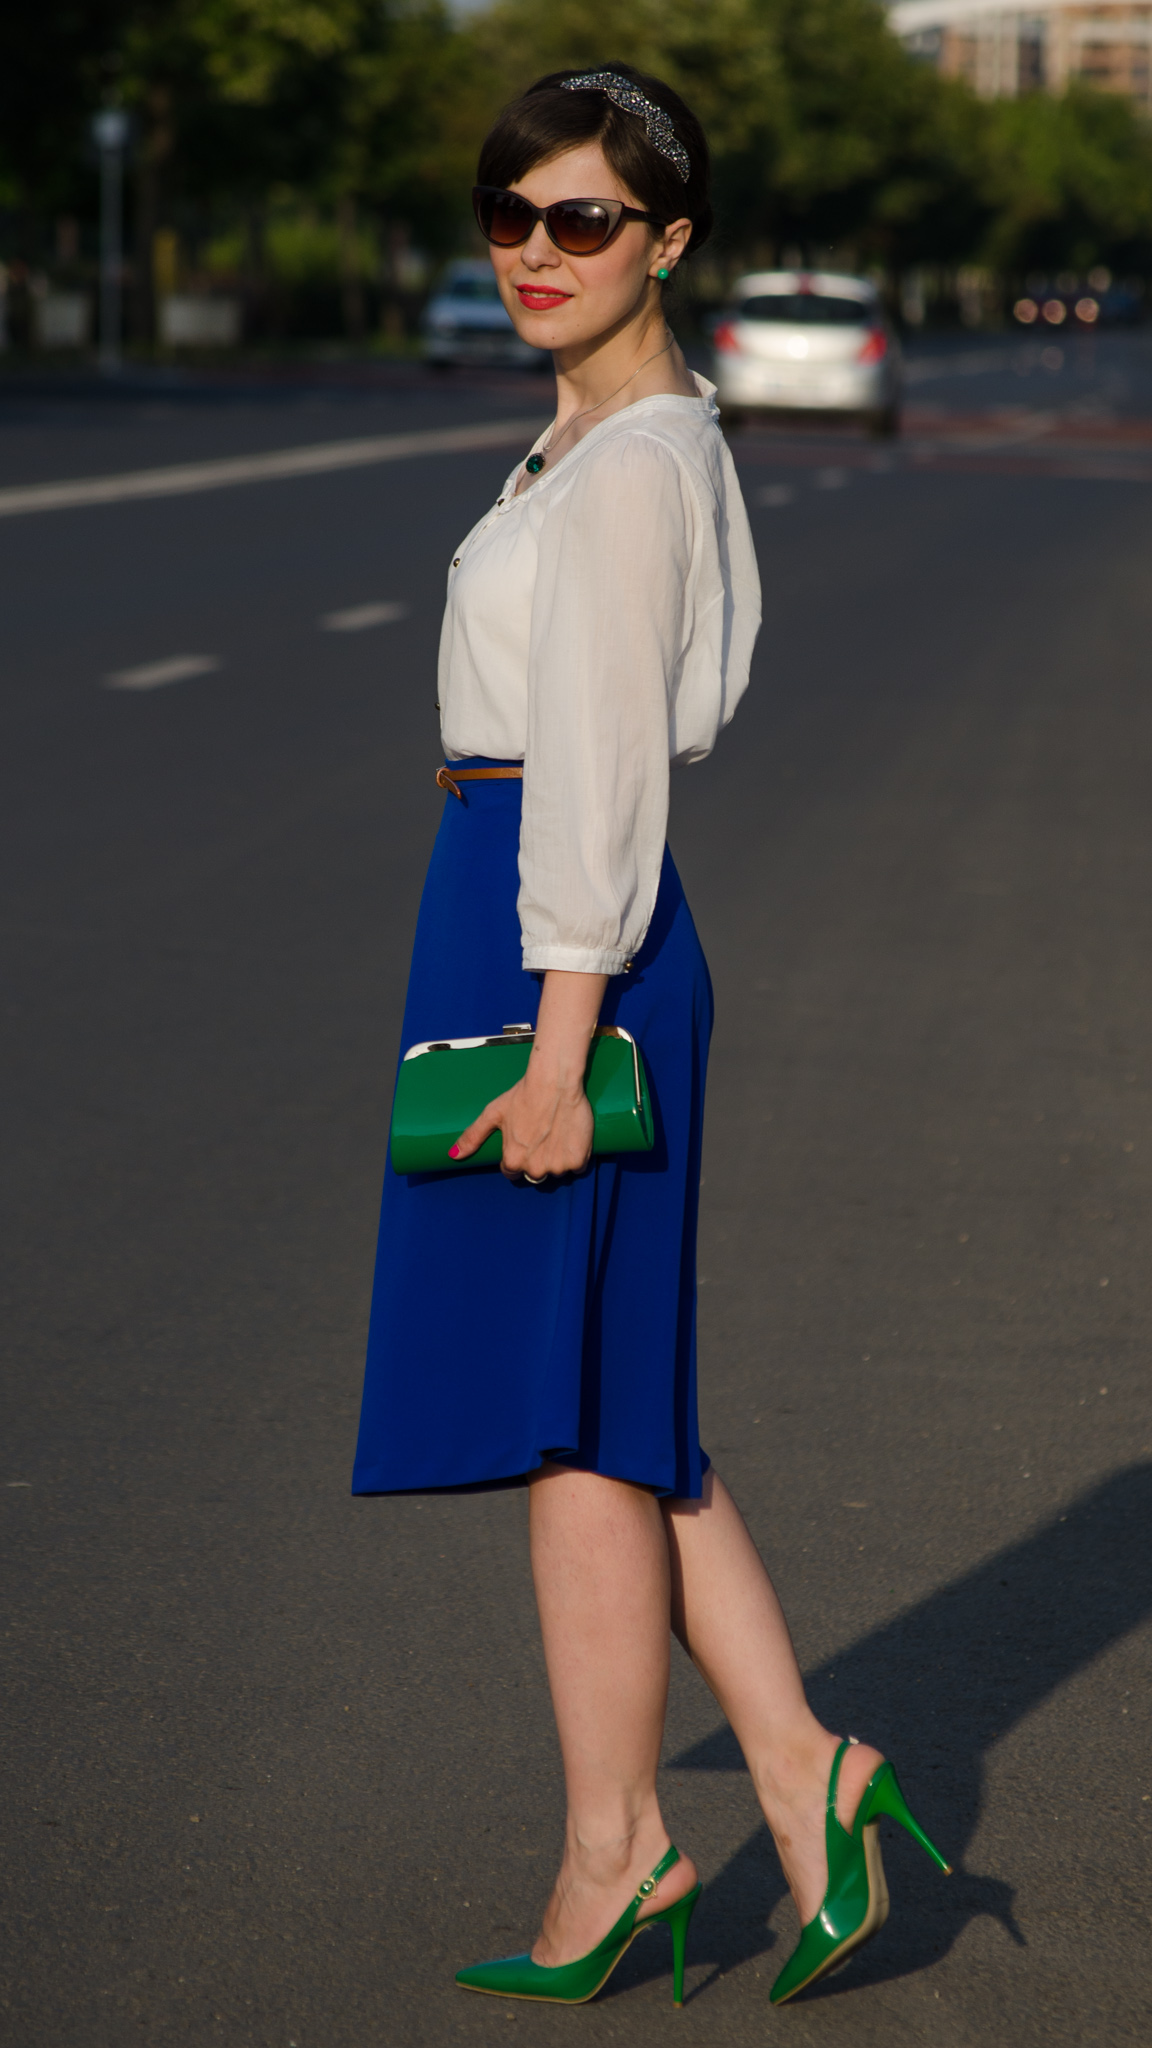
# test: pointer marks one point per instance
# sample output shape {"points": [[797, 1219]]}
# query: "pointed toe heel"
{"points": [[575, 1983], [855, 1904]]}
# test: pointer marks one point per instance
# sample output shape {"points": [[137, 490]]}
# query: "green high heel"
{"points": [[856, 1902], [575, 1983]]}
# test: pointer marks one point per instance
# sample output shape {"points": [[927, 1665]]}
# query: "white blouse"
{"points": [[599, 626]]}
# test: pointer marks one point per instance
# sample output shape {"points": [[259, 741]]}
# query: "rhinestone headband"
{"points": [[622, 93]]}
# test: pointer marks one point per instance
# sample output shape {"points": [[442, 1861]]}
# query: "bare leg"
{"points": [[600, 1563], [726, 1614]]}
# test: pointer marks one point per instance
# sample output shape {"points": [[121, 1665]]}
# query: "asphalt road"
{"points": [[279, 1761]]}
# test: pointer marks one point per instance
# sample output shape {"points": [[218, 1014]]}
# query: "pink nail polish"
{"points": [[454, 1152]]}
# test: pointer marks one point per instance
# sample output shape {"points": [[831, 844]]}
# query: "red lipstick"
{"points": [[541, 298]]}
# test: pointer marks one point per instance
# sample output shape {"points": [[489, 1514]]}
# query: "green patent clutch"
{"points": [[443, 1086]]}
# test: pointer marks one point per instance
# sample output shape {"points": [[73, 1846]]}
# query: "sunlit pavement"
{"points": [[1004, 441], [278, 1761], [1081, 410]]}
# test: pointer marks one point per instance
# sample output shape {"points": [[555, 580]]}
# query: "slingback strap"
{"points": [[833, 1818], [834, 1778], [650, 1884], [449, 778], [624, 1925]]}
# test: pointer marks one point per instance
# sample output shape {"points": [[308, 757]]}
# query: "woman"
{"points": [[538, 1324]]}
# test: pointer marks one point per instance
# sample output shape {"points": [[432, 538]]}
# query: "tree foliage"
{"points": [[1073, 183], [233, 98], [825, 131], [827, 135]]}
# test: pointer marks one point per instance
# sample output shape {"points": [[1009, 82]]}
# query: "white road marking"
{"points": [[775, 494], [185, 477], [830, 479], [179, 668], [359, 617]]}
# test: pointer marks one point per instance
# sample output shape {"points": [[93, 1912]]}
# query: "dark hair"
{"points": [[545, 121]]}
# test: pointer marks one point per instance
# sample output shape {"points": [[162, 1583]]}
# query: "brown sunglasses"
{"points": [[577, 226]]}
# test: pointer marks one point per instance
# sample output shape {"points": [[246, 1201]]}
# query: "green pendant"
{"points": [[534, 465]]}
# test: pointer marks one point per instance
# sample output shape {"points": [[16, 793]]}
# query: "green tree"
{"points": [[826, 134], [824, 130], [349, 103], [332, 99], [57, 62], [1073, 183]]}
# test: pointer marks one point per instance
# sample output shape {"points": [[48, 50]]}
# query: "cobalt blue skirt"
{"points": [[512, 1324]]}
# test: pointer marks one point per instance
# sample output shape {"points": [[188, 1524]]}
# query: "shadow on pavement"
{"points": [[935, 1688]]}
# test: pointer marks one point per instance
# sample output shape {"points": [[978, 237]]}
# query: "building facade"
{"points": [[1002, 53]]}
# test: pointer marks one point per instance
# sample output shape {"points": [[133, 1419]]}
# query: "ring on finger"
{"points": [[535, 1183]]}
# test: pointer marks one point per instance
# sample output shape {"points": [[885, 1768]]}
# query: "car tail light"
{"points": [[875, 348], [724, 338]]}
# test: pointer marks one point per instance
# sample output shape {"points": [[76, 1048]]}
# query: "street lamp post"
{"points": [[110, 133]]}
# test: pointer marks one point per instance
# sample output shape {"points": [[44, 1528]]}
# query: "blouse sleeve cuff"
{"points": [[573, 960]]}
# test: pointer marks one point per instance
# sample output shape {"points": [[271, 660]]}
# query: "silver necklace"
{"points": [[535, 463]]}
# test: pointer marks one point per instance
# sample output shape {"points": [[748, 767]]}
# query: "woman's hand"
{"points": [[545, 1129], [546, 1119]]}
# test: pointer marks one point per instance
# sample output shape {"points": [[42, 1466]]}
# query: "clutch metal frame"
{"points": [[524, 1034]]}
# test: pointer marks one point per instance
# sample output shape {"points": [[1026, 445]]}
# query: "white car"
{"points": [[466, 321], [807, 341]]}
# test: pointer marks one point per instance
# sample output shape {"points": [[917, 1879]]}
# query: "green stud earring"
{"points": [[663, 275]]}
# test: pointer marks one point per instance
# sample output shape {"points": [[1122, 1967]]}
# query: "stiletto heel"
{"points": [[856, 1902], [575, 1983], [887, 1798], [677, 1918]]}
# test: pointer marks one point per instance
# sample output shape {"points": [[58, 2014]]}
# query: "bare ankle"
{"points": [[790, 1772], [607, 1859]]}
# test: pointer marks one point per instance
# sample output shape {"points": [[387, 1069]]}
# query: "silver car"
{"points": [[808, 341], [466, 321]]}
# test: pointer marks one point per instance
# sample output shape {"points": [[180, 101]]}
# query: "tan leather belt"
{"points": [[447, 778]]}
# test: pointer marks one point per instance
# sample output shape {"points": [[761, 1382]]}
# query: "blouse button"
{"points": [[456, 563], [499, 501]]}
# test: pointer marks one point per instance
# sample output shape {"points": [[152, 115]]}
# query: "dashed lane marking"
{"points": [[153, 675], [185, 477], [358, 617]]}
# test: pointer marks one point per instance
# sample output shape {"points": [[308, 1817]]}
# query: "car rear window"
{"points": [[807, 309], [473, 288]]}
